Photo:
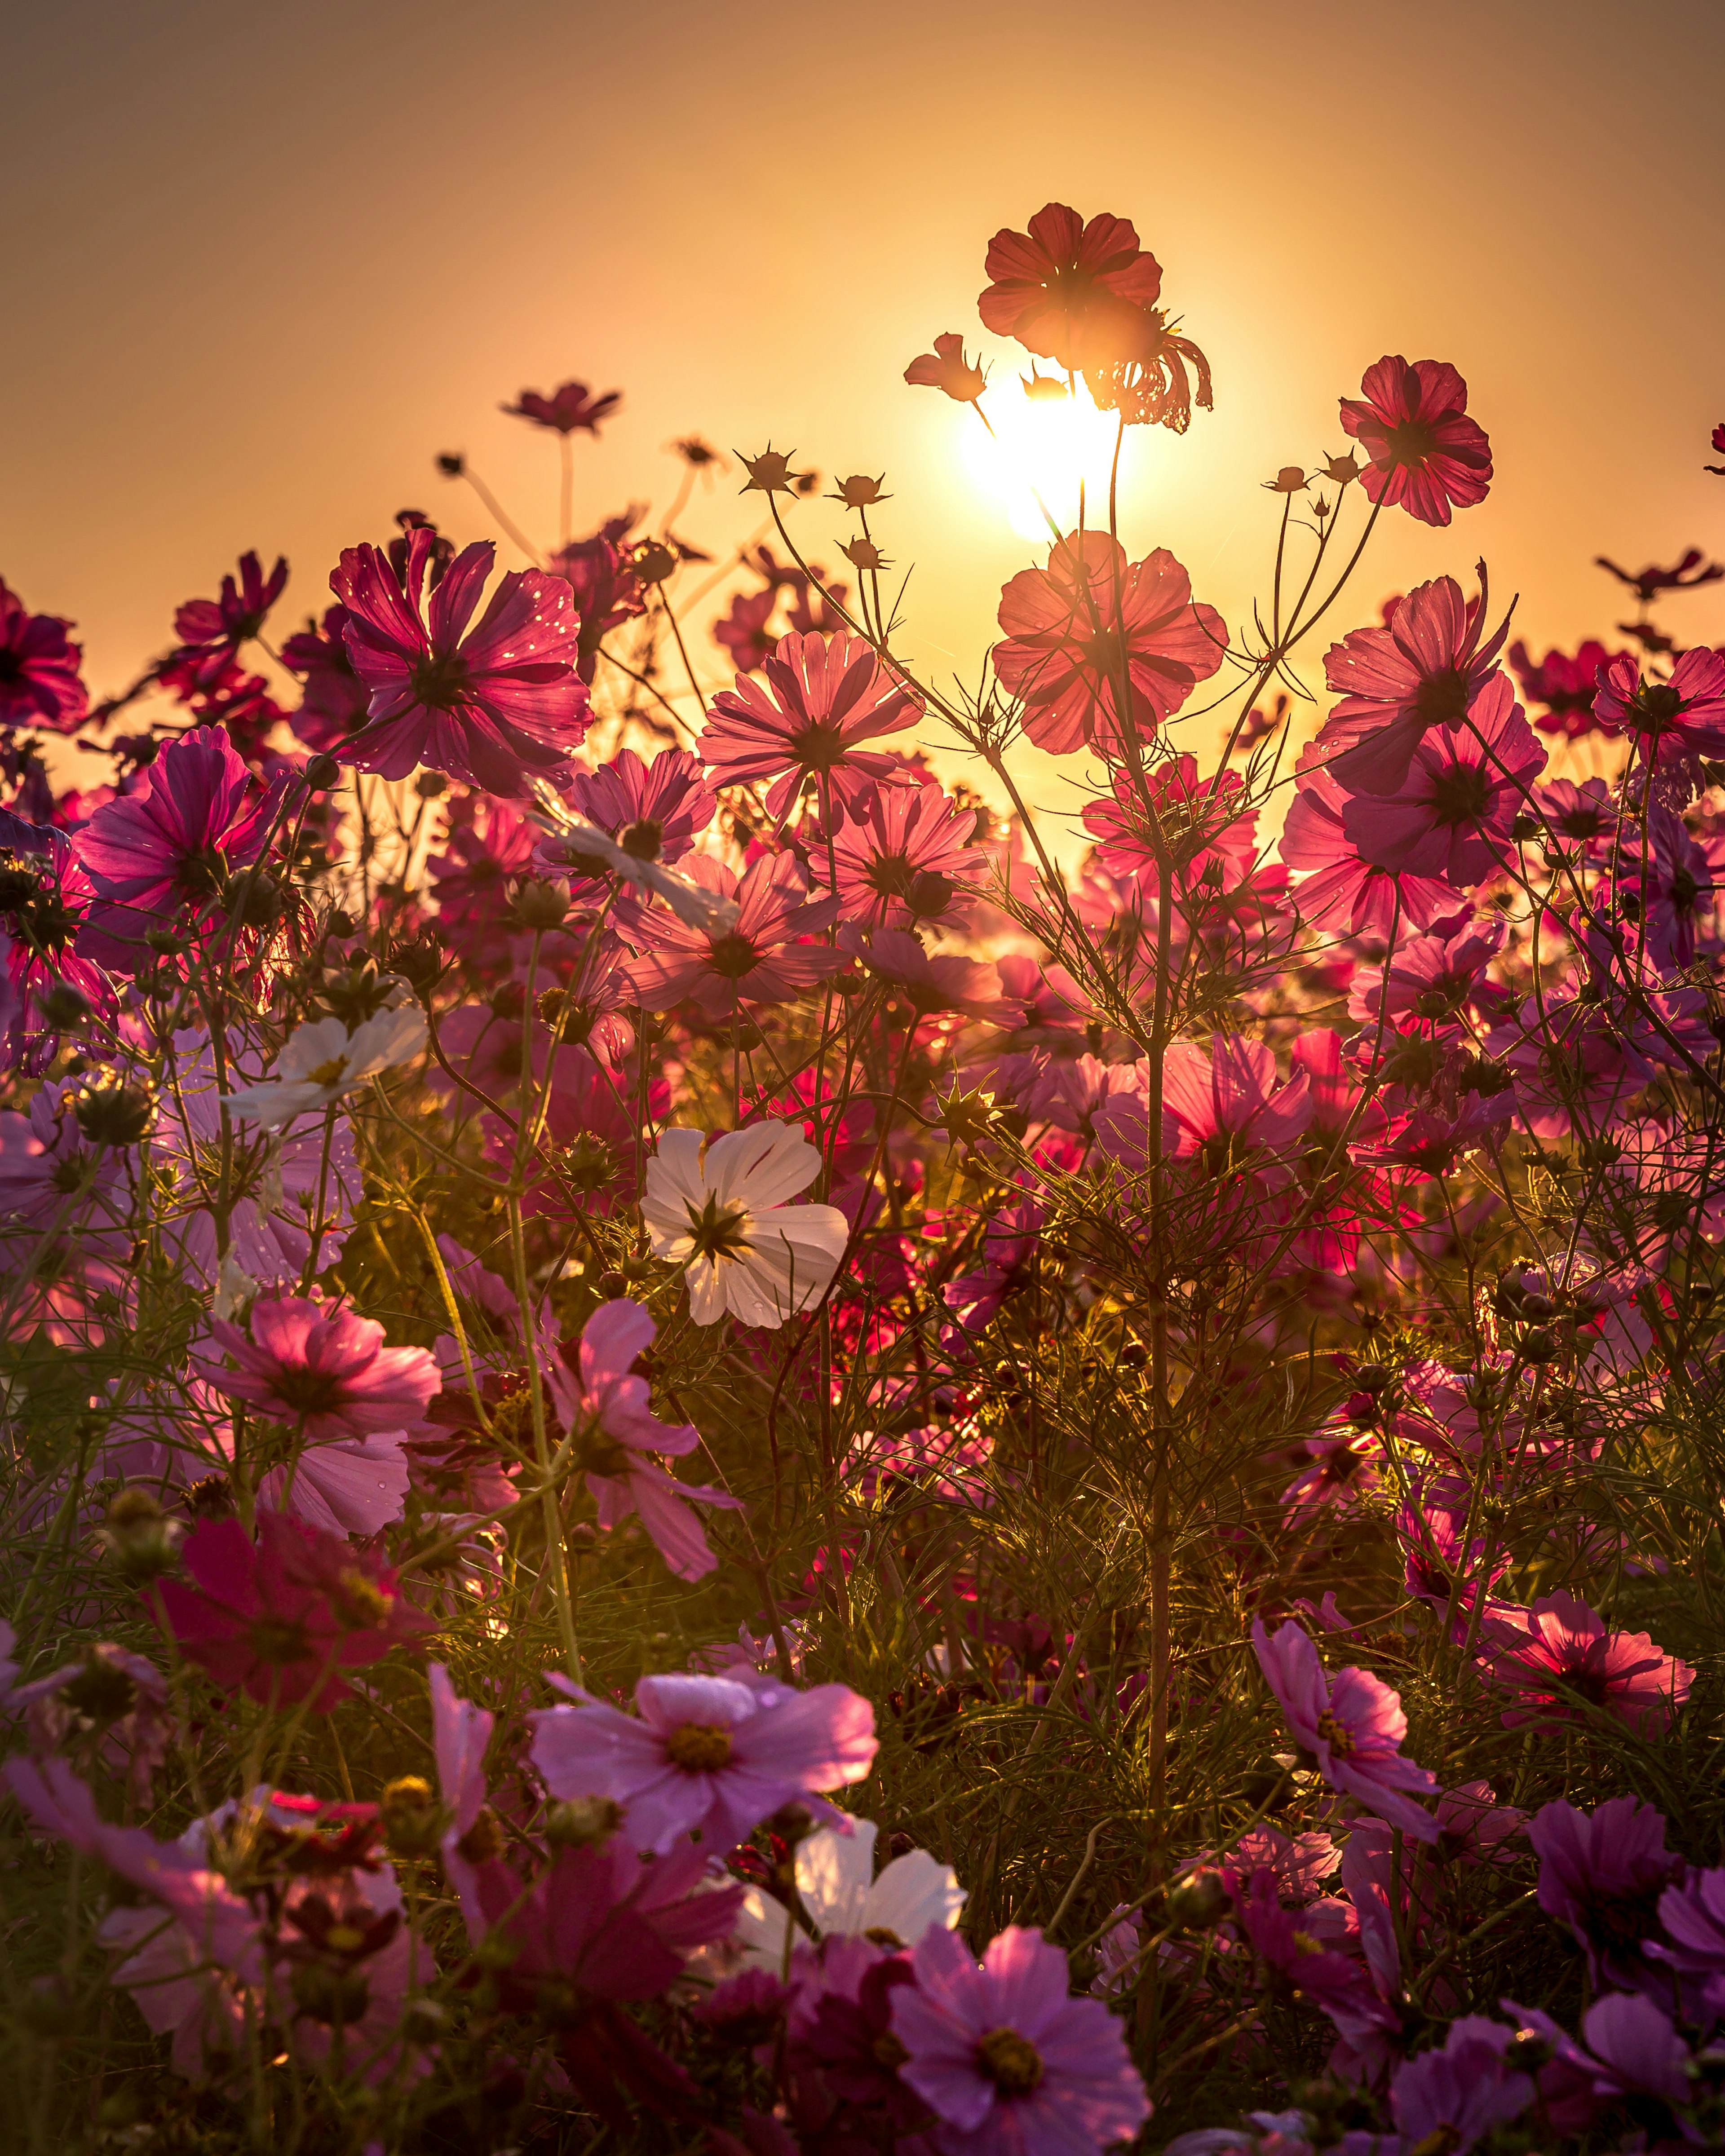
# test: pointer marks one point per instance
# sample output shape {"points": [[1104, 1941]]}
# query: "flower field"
{"points": [[717, 1442]]}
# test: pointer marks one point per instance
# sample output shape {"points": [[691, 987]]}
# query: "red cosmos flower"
{"points": [[571, 408], [1718, 438], [819, 698], [325, 1369], [1071, 292], [946, 368], [904, 856], [1423, 669], [1566, 686], [279, 1616], [1426, 454], [212, 630], [39, 682], [1072, 627], [1464, 786], [1342, 890], [196, 816], [489, 704], [759, 960]]}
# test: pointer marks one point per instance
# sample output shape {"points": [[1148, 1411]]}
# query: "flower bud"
{"points": [[653, 561], [541, 905], [412, 1821], [582, 1822], [253, 897], [451, 463], [431, 785], [1200, 1900], [139, 1536], [63, 1006], [322, 771]]}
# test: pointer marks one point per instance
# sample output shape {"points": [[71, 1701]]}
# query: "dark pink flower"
{"points": [[1426, 454], [1436, 984], [489, 704], [758, 961], [1353, 1724], [1455, 2098], [705, 1755], [1209, 842], [281, 1616], [946, 368], [744, 632], [44, 893], [170, 847], [1688, 574], [589, 1159], [1602, 1873], [1072, 631], [471, 877], [214, 629], [1425, 669], [1682, 717], [652, 810], [946, 982], [1225, 1106], [1071, 292], [40, 685], [820, 698], [603, 1406], [1340, 890], [333, 704], [1566, 686], [322, 1367], [572, 407], [1559, 1651], [601, 573], [1585, 814], [903, 856], [1465, 784], [1006, 2058]]}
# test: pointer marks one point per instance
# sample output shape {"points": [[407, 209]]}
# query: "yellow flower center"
{"points": [[1011, 2061], [329, 1073], [699, 1747], [1337, 1735]]}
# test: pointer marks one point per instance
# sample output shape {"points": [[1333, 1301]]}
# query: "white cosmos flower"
{"points": [[322, 1062], [837, 1885], [717, 1209]]}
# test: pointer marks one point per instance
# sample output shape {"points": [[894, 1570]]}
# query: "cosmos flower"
{"points": [[322, 1062], [491, 703], [842, 1897], [705, 1756], [572, 407], [945, 981], [1426, 668], [1465, 784], [947, 368], [747, 949], [716, 1208], [471, 877], [1426, 454], [333, 701], [818, 699], [903, 856], [1353, 1723], [1340, 888], [743, 632], [1602, 1873], [1560, 1647], [613, 1436], [1069, 292], [1455, 2097], [1680, 718], [323, 1368], [654, 811], [280, 1617], [40, 685], [1072, 630], [1006, 2058], [215, 628], [1567, 686]]}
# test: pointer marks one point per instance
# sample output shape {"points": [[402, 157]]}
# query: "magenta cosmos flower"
{"points": [[1353, 1724], [217, 626], [1567, 686], [324, 1368], [1008, 2061], [1426, 454], [945, 982], [571, 408], [1340, 889], [279, 1617], [196, 816], [1074, 629], [652, 810], [613, 1433], [820, 698], [489, 705], [1071, 292], [39, 682], [1464, 786], [1560, 1647], [1425, 669], [759, 959], [1682, 717], [1602, 1873], [904, 856], [705, 1755]]}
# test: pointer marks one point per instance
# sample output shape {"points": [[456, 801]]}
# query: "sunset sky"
{"points": [[264, 262]]}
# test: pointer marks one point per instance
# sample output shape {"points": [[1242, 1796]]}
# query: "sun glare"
{"points": [[1044, 449]]}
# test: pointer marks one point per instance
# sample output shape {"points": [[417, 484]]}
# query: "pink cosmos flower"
{"points": [[705, 1756], [588, 1160], [744, 632], [819, 698], [214, 629], [1677, 881], [489, 704], [1342, 890], [603, 1409], [601, 573], [171, 846], [471, 877], [1602, 1873], [1465, 784], [1071, 292], [572, 407], [653, 810], [903, 856], [1675, 721], [758, 960], [279, 1617], [460, 1733], [1073, 630], [1006, 2059], [323, 1368], [1426, 454], [1456, 2098], [40, 685], [1585, 814], [1224, 1104], [946, 368], [1425, 668], [43, 892], [1561, 1647], [944, 982], [1566, 686], [1353, 1723], [1209, 842], [334, 700], [114, 1701], [1435, 983]]}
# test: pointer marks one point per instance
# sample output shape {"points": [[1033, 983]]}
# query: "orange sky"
{"points": [[263, 262]]}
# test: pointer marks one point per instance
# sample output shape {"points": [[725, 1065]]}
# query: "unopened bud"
{"points": [[322, 771], [582, 1822], [1200, 1900], [431, 785], [62, 1006], [541, 905], [139, 1536], [412, 1821], [252, 898]]}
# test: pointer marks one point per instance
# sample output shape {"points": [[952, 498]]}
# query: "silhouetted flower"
{"points": [[1426, 454], [571, 408], [1069, 292]]}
